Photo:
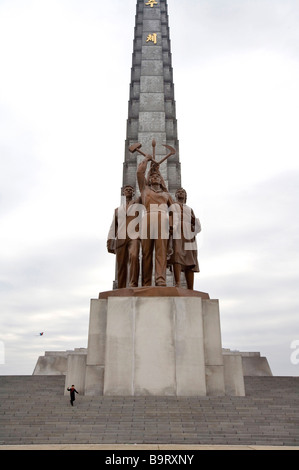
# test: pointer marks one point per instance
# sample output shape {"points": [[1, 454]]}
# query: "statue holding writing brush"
{"points": [[155, 223]]}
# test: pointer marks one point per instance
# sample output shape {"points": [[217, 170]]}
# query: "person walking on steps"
{"points": [[72, 391]]}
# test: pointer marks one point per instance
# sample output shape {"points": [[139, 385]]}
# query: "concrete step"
{"points": [[271, 386], [33, 410]]}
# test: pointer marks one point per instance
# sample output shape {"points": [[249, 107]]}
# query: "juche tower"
{"points": [[152, 113]]}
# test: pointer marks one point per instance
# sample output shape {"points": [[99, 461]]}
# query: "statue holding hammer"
{"points": [[120, 243]]}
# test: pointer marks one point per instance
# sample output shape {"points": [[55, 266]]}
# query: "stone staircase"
{"points": [[34, 410]]}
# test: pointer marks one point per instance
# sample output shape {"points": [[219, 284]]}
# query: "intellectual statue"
{"points": [[155, 224], [120, 243]]}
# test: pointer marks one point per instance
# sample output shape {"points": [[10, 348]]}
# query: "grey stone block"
{"points": [[151, 121], [152, 84], [152, 102], [152, 25]]}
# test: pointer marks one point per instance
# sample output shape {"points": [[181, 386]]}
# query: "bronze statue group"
{"points": [[164, 232]]}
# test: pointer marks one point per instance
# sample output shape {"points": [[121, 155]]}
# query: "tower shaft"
{"points": [[152, 113]]}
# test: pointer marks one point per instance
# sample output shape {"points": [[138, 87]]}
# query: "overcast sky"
{"points": [[64, 89]]}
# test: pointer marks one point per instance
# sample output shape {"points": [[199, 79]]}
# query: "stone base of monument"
{"points": [[155, 341]]}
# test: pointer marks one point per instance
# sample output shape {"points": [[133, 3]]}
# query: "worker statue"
{"points": [[124, 246]]}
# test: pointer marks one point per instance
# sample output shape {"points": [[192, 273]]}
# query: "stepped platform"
{"points": [[34, 410]]}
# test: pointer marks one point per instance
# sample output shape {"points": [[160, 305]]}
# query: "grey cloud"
{"points": [[258, 218], [50, 291], [19, 167], [259, 301], [62, 264], [218, 28]]}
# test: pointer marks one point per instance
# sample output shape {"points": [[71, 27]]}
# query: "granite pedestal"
{"points": [[158, 341]]}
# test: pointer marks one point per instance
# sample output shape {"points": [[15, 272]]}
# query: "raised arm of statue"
{"points": [[141, 172]]}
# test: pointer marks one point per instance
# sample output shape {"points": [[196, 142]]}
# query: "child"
{"points": [[72, 391]]}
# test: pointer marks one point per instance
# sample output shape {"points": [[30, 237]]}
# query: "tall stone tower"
{"points": [[152, 113], [157, 340]]}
